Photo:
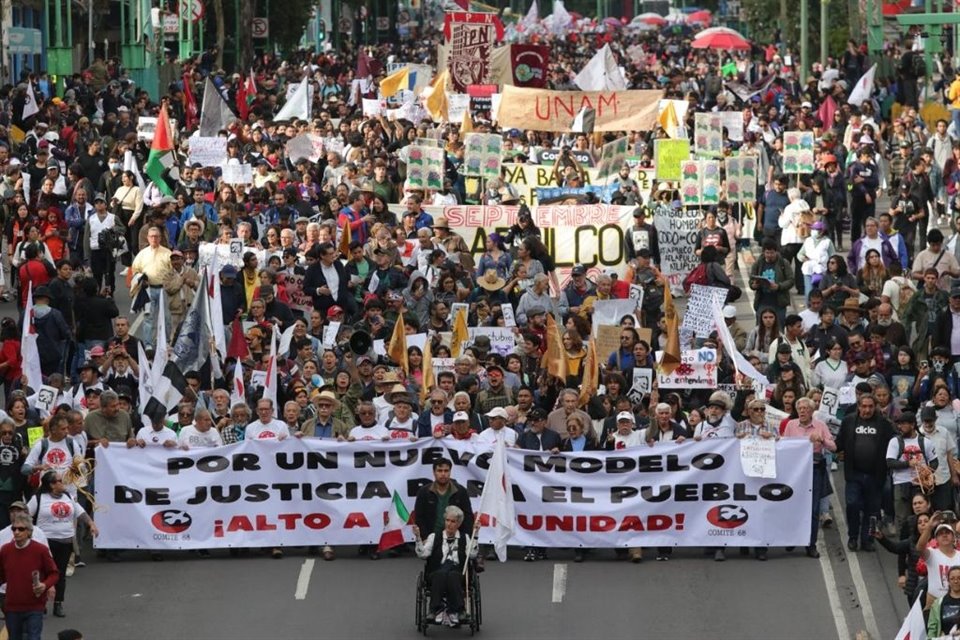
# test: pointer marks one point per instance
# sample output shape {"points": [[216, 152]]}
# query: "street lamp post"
{"points": [[59, 40]]}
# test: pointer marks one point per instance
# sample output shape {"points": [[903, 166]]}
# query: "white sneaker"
{"points": [[69, 570], [454, 619], [441, 617], [123, 272], [833, 466]]}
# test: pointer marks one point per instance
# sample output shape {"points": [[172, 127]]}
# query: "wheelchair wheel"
{"points": [[421, 606], [476, 619]]}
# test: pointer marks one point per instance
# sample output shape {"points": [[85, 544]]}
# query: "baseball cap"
{"points": [[907, 416], [730, 311], [97, 351], [334, 310], [928, 414], [228, 271], [461, 416], [498, 412], [625, 415], [18, 504], [943, 527], [578, 270], [537, 414]]}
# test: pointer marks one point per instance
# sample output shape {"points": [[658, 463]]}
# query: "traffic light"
{"points": [[321, 31]]}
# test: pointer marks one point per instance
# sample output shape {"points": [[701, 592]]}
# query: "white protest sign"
{"points": [[611, 312], [305, 145], [372, 107], [732, 121], [774, 417], [380, 347], [697, 370], [442, 364], [699, 316], [509, 320], [258, 379], [758, 457], [418, 340], [457, 104], [238, 174], [455, 309], [501, 338], [848, 394], [636, 294], [677, 236], [829, 401], [330, 333], [208, 151], [47, 398], [642, 379]]}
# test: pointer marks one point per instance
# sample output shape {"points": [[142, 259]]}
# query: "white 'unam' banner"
{"points": [[317, 492]]}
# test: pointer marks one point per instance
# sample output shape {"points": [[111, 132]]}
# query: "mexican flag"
{"points": [[393, 523], [162, 158]]}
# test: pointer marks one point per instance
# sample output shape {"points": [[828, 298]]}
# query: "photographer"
{"points": [[102, 233]]}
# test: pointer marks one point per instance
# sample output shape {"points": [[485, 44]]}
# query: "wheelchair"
{"points": [[472, 617]]}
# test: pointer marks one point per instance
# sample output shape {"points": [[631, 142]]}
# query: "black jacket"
{"points": [[547, 441], [314, 279], [864, 443], [95, 316], [425, 509], [232, 299]]}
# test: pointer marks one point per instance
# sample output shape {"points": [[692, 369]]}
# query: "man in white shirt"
{"points": [[403, 424], [497, 430], [157, 434], [55, 452], [368, 427], [265, 427], [200, 434]]}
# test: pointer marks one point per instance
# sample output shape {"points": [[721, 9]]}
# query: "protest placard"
{"points": [[613, 155], [667, 155], [330, 333], [773, 417], [457, 105], [708, 134], [636, 294], [700, 182], [798, 152], [758, 457], [305, 145], [208, 151], [741, 179], [699, 316], [733, 122], [258, 379], [425, 167], [829, 401], [612, 312], [531, 180], [443, 364], [543, 110], [293, 285], [46, 399], [697, 370], [482, 155], [509, 320], [677, 234], [643, 379], [502, 339], [238, 174], [372, 107]]}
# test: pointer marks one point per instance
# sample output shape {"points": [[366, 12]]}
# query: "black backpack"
{"points": [[918, 66]]}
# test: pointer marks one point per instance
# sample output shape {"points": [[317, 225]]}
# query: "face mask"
{"points": [[938, 366], [814, 234]]}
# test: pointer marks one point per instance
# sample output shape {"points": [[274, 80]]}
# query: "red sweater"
{"points": [[16, 569]]}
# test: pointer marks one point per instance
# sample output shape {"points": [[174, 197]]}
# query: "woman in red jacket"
{"points": [[10, 361]]}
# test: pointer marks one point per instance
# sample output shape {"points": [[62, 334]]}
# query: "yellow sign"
{"points": [[34, 434], [527, 178], [667, 155]]}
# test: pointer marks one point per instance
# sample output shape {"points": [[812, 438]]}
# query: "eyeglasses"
{"points": [[19, 529], [759, 410], [325, 405]]}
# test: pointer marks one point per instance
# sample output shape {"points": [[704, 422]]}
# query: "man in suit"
{"points": [[326, 280]]}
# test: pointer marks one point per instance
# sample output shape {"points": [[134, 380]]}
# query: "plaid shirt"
{"points": [[872, 348], [233, 433], [746, 428]]}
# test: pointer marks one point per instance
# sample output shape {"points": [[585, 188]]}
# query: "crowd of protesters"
{"points": [[850, 271]]}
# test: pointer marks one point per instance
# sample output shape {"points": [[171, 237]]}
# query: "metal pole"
{"points": [[824, 5], [928, 8], [58, 17], [804, 39], [189, 28]]}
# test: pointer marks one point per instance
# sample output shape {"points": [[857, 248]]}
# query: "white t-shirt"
{"points": [[192, 437], [706, 430], [492, 436], [376, 432], [911, 448], [632, 439], [57, 455], [401, 430], [56, 516], [273, 430], [156, 438], [938, 566]]}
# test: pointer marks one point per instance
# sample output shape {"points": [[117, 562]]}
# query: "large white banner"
{"points": [[313, 492]]}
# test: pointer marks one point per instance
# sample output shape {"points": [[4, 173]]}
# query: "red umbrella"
{"points": [[726, 40], [701, 17], [654, 19]]}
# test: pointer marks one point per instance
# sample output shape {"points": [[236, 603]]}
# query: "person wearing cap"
{"points": [[498, 430], [907, 451], [460, 428], [325, 424], [792, 338], [495, 393], [718, 423], [537, 301], [402, 420], [944, 445], [807, 427], [863, 438], [179, 286], [537, 437], [578, 289], [939, 558]]}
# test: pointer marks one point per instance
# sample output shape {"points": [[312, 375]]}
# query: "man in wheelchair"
{"points": [[446, 553]]}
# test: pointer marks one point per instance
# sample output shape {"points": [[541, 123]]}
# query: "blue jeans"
{"points": [[863, 500], [24, 624], [149, 329]]}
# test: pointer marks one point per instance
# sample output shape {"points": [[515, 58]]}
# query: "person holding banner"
{"points": [[806, 426]]}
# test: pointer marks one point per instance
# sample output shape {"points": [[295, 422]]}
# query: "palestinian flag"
{"points": [[161, 164], [246, 94], [393, 523]]}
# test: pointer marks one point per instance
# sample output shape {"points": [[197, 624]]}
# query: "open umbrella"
{"points": [[700, 17], [613, 23], [650, 18], [721, 38]]}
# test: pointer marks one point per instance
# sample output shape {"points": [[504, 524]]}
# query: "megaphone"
{"points": [[360, 343]]}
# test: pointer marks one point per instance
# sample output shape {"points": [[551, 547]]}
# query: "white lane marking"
{"points": [[559, 582], [839, 619], [303, 580], [854, 563]]}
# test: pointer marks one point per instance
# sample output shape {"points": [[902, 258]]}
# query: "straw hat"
{"points": [[491, 281]]}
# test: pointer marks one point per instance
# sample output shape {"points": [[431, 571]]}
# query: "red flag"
{"points": [[528, 63], [827, 111], [190, 103], [243, 110], [238, 342]]}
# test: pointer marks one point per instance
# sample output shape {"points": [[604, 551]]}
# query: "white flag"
{"points": [[864, 88], [532, 17], [913, 626], [30, 106], [270, 386], [741, 364], [285, 339], [145, 379], [298, 104], [28, 345], [214, 114], [560, 19], [496, 501], [601, 73], [238, 393]]}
